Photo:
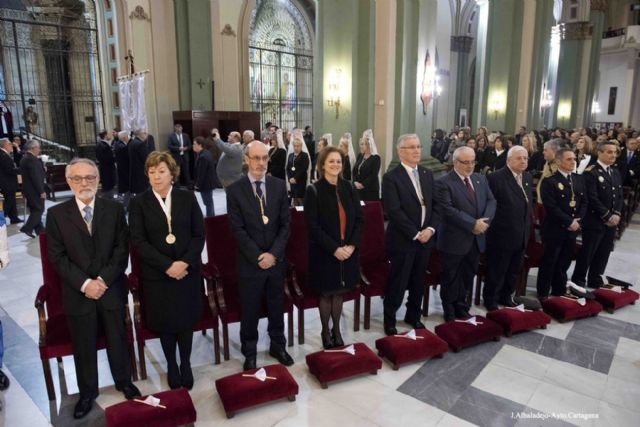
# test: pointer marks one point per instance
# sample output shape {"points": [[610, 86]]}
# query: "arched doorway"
{"points": [[281, 64]]}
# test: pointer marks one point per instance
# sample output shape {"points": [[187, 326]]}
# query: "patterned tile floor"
{"points": [[583, 373]]}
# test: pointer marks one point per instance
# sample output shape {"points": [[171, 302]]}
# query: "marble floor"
{"points": [[583, 373]]}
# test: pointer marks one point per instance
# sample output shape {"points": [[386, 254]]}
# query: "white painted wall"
{"points": [[613, 73]]}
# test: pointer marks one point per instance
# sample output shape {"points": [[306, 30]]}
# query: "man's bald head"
{"points": [[257, 158]]}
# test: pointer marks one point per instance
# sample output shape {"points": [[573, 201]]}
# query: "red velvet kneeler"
{"points": [[399, 350], [239, 392], [563, 308], [460, 335], [179, 411], [331, 365], [612, 300], [513, 321]]}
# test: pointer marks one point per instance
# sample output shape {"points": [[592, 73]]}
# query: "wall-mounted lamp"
{"points": [[564, 110], [335, 88], [595, 107], [546, 101], [497, 105]]}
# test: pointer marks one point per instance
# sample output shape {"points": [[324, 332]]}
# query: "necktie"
{"points": [[609, 170], [519, 180], [416, 178], [259, 189], [88, 216], [569, 178], [629, 156], [470, 190]]}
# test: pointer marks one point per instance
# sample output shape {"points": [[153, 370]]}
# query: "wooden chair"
{"points": [[209, 319], [221, 274], [55, 340], [432, 280], [304, 297], [374, 265]]}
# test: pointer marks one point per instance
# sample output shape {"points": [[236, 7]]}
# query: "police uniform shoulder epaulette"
{"points": [[590, 168]]}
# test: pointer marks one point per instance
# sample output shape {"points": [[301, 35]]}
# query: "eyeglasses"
{"points": [[411, 147], [259, 158], [467, 162], [78, 179]]}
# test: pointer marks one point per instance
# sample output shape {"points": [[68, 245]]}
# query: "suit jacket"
{"points": [[206, 179], [253, 236], [402, 207], [629, 168], [174, 145], [459, 212], [230, 163], [605, 196], [121, 152], [138, 152], [77, 255], [8, 172], [106, 165], [33, 176], [511, 224], [558, 212], [149, 230]]}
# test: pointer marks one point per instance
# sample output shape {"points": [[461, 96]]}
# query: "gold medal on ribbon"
{"points": [[293, 169], [572, 203], [170, 239], [265, 219], [560, 186]]}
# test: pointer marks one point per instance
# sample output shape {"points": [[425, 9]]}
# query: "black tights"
{"points": [[183, 340], [330, 307]]}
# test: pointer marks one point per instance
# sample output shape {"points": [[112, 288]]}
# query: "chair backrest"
{"points": [[222, 251], [434, 268], [538, 213], [297, 251], [135, 271], [51, 280], [372, 244]]}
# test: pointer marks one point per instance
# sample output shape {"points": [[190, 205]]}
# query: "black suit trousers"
{"points": [[10, 207], [408, 271], [183, 163], [269, 285], [36, 209], [458, 272], [597, 245], [556, 259], [84, 334], [503, 267]]}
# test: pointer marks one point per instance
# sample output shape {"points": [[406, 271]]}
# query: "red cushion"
{"points": [[179, 411], [331, 366], [612, 300], [515, 321], [399, 350], [460, 335], [563, 309], [238, 392]]}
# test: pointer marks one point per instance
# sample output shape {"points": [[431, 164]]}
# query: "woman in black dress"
{"points": [[334, 220], [277, 156], [167, 233], [298, 166], [536, 161], [348, 155], [499, 147], [367, 168]]}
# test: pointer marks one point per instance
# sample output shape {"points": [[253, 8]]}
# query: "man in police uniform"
{"points": [[564, 197], [604, 187]]}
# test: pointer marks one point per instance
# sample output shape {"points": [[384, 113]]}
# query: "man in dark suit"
{"points": [[507, 238], [33, 176], [179, 146], [467, 207], [628, 163], [8, 181], [121, 153], [407, 192], [258, 209], [106, 163], [87, 244], [565, 202], [604, 189], [139, 149]]}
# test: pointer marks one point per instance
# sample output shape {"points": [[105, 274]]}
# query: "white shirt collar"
{"points": [[408, 168], [605, 167], [462, 177], [253, 180], [81, 205]]}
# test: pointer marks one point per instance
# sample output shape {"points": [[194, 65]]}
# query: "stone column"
{"points": [[461, 46]]}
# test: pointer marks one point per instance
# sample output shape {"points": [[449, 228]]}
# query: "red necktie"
{"points": [[472, 193]]}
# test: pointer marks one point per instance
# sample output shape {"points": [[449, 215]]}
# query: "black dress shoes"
{"points": [[173, 377], [509, 302], [249, 364], [462, 313], [129, 390], [282, 356], [490, 306], [449, 317], [28, 233], [186, 375], [16, 220], [390, 330], [83, 407], [327, 341], [415, 325], [337, 339]]}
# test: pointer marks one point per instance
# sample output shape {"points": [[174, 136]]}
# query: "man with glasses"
{"points": [[258, 209], [87, 244], [33, 176], [507, 238], [467, 207], [407, 194]]}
